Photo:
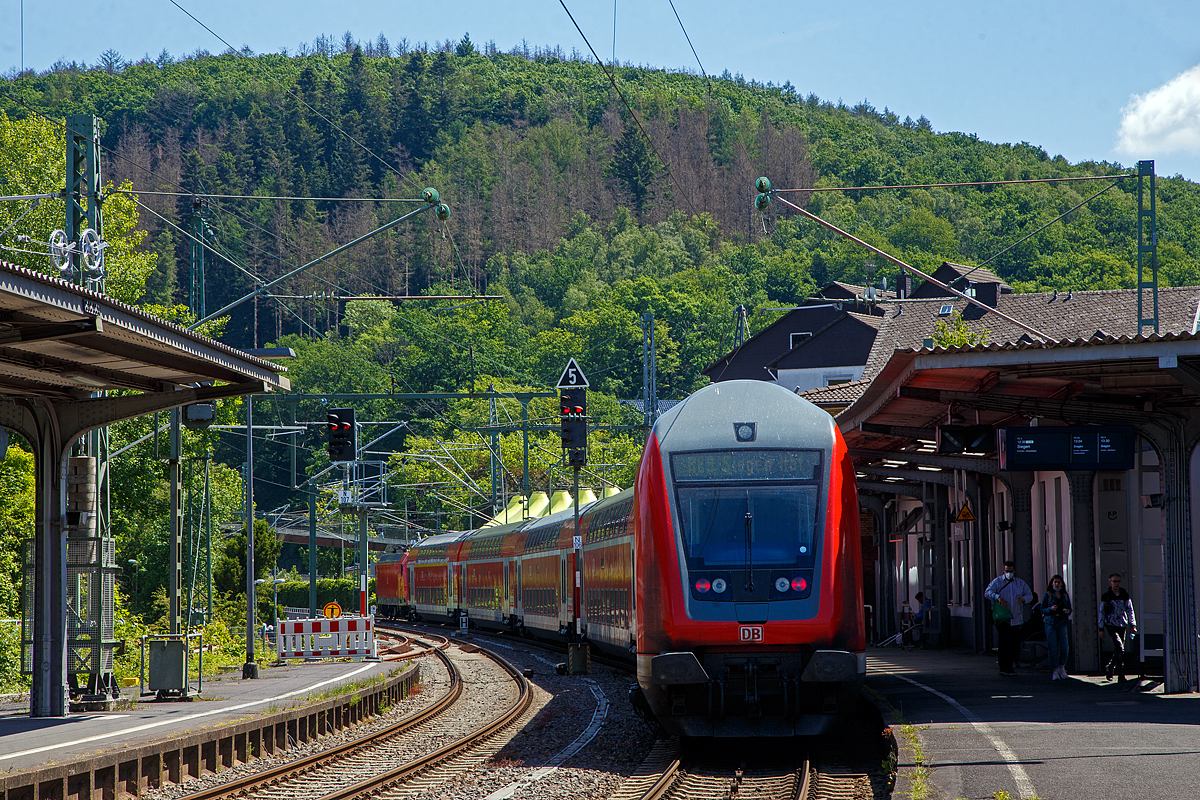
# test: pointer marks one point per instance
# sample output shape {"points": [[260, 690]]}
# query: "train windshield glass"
{"points": [[748, 507]]}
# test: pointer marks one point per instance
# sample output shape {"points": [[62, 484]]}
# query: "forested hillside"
{"points": [[555, 196], [558, 204]]}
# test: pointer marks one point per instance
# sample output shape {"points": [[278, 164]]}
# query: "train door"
{"points": [[573, 579], [520, 599], [564, 604], [632, 588], [506, 568]]}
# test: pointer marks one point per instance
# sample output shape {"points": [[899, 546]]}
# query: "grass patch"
{"points": [[919, 775]]}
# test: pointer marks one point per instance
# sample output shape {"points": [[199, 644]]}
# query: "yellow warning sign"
{"points": [[965, 514], [333, 610]]}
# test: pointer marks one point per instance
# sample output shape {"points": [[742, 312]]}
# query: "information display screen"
{"points": [[1109, 448]]}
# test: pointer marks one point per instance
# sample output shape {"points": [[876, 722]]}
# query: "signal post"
{"points": [[573, 386]]}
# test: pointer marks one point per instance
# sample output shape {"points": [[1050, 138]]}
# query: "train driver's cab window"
{"points": [[745, 508]]}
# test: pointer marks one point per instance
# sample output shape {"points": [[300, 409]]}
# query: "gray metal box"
{"points": [[168, 660]]}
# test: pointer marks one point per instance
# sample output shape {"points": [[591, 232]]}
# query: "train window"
{"points": [[749, 526]]}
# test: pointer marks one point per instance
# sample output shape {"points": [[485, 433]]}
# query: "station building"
{"points": [[1072, 452]]}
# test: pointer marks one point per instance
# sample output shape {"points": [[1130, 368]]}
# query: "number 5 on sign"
{"points": [[572, 377]]}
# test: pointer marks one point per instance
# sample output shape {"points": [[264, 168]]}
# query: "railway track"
{"points": [[457, 722], [668, 774]]}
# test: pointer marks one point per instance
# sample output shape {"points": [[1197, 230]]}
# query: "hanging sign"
{"points": [[965, 514]]}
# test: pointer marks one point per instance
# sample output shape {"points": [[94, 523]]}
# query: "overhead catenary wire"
{"points": [[915, 271], [1039, 230], [300, 100], [637, 121], [183, 191], [269, 197], [689, 41], [954, 185]]}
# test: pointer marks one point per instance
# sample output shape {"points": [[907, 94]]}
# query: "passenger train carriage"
{"points": [[730, 573]]}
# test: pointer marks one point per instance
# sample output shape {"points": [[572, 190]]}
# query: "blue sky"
{"points": [[1105, 79]]}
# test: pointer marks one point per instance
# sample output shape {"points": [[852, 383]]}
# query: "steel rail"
{"points": [[243, 786], [381, 783], [662, 785]]}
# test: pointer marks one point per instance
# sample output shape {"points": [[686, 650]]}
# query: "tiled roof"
{"points": [[1064, 318], [829, 290], [975, 274], [953, 275], [839, 394], [870, 320], [874, 320]]}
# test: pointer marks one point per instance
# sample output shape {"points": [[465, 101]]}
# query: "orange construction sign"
{"points": [[333, 610]]}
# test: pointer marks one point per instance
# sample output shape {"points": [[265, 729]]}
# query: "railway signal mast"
{"points": [[573, 386]]}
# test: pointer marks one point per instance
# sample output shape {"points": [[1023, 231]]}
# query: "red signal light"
{"points": [[799, 584], [578, 409], [702, 585]]}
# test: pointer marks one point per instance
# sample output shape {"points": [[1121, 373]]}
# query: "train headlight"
{"points": [[702, 585], [719, 585], [781, 585], [799, 584]]}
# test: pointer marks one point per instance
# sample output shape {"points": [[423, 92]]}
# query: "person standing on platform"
{"points": [[1116, 617], [1056, 611], [1010, 597]]}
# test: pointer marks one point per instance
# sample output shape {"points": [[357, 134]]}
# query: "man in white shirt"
{"points": [[1014, 595]]}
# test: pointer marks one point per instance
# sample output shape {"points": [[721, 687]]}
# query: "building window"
{"points": [[946, 310], [834, 380], [797, 338]]}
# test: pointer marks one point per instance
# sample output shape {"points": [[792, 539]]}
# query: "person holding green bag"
{"points": [[1010, 598]]}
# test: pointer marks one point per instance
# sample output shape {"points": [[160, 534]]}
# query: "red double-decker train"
{"points": [[730, 573]]}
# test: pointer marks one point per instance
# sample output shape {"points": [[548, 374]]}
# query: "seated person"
{"points": [[920, 618]]}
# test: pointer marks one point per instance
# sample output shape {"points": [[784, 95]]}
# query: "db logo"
{"points": [[750, 633]]}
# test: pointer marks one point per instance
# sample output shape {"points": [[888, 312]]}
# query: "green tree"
{"points": [[954, 332], [229, 571], [33, 161], [636, 166], [16, 523]]}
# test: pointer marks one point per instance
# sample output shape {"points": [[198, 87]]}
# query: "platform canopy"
{"points": [[1150, 383], [72, 361], [59, 340]]}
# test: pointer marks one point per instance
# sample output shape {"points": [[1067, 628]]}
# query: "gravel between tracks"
{"points": [[563, 708], [434, 683]]}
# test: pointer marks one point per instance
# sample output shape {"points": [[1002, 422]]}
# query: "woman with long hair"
{"points": [[1056, 611]]}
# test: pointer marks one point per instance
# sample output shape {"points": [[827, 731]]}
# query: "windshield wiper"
{"points": [[749, 586]]}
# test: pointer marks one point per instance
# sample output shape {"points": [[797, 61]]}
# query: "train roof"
{"points": [[777, 416], [444, 538]]}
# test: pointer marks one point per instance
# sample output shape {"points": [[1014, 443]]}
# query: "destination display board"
{"points": [[1109, 448]]}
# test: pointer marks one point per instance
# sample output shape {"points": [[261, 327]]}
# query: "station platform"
{"points": [[980, 733], [28, 743]]}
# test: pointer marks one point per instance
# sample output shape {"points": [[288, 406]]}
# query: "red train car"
{"points": [[390, 577], [730, 573], [748, 566]]}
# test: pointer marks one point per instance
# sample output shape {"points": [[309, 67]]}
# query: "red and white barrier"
{"points": [[326, 638]]}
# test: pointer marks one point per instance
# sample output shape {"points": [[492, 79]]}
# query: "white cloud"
{"points": [[1163, 120]]}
